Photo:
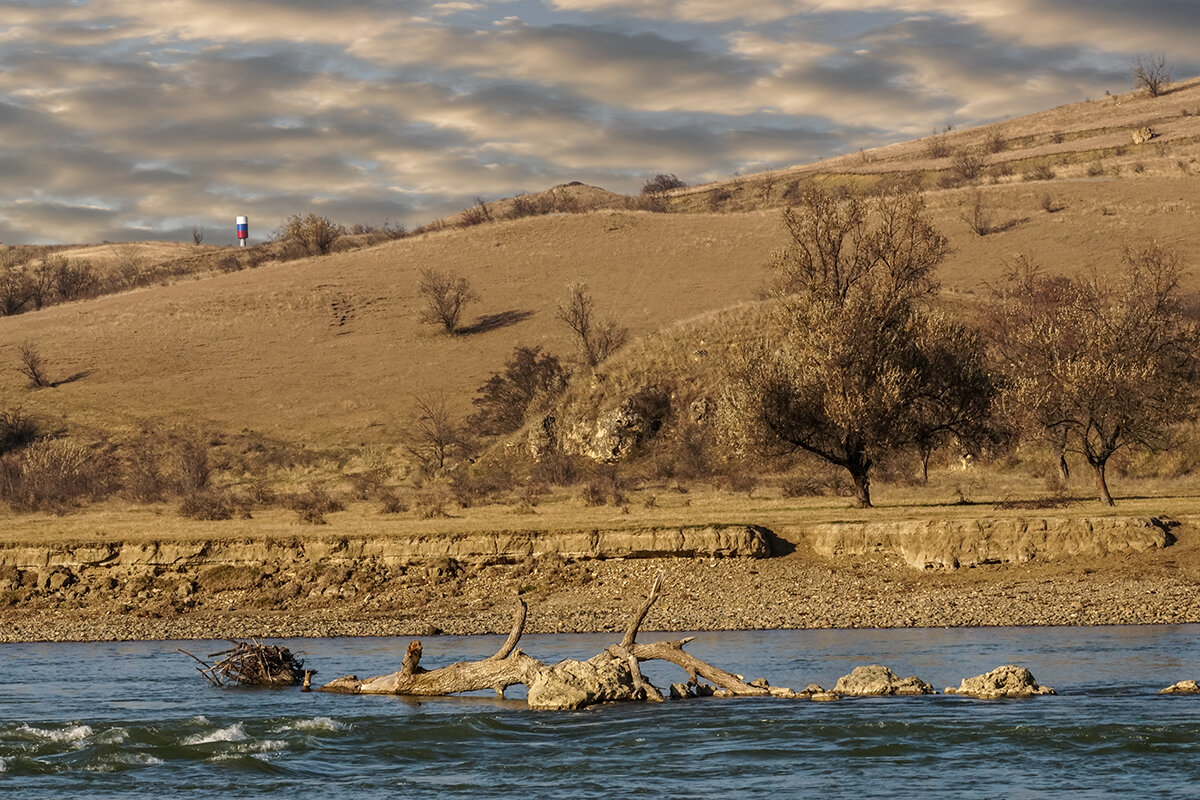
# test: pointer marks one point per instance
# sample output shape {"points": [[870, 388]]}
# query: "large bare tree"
{"points": [[856, 364], [1101, 364]]}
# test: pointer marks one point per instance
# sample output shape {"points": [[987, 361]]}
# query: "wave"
{"points": [[74, 733], [233, 733], [314, 724]]}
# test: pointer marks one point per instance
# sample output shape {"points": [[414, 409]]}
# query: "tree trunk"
{"points": [[1102, 484], [860, 472]]}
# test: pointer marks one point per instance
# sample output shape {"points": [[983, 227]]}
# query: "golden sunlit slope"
{"points": [[330, 350]]}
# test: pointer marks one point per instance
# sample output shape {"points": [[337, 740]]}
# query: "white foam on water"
{"points": [[74, 733], [233, 733], [121, 760], [3, 765], [113, 736], [315, 724]]}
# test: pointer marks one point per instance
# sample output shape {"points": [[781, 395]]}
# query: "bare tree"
{"points": [[445, 295], [1096, 366], [855, 366], [1151, 72], [73, 279], [32, 365], [434, 437], [197, 234], [596, 337], [15, 291]]}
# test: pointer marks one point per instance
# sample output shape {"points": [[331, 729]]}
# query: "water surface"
{"points": [[133, 720]]}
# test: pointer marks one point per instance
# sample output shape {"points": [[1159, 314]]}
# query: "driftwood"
{"points": [[611, 675], [252, 663]]}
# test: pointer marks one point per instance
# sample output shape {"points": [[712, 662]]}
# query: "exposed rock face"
{"points": [[1006, 681], [876, 680], [968, 542], [1143, 135], [1183, 687], [607, 436], [434, 549], [569, 684]]}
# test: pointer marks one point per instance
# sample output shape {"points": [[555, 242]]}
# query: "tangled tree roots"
{"points": [[609, 676], [253, 663]]}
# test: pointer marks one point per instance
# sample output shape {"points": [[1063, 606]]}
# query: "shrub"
{"points": [[206, 505], [596, 338], [312, 505], [53, 475], [194, 470], [968, 165], [1042, 172], [32, 365], [316, 234], [16, 430], [661, 184], [937, 146], [995, 142], [1095, 169], [445, 295], [529, 375]]}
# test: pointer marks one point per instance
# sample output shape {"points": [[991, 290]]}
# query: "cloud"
{"points": [[116, 115]]}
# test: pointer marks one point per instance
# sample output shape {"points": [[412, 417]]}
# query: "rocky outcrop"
{"points": [[877, 681], [1006, 681], [954, 543], [1143, 135], [573, 684], [605, 436], [1183, 687], [712, 541]]}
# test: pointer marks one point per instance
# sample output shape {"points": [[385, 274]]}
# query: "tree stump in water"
{"points": [[610, 676]]}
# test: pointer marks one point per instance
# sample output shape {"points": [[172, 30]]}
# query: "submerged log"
{"points": [[611, 675]]}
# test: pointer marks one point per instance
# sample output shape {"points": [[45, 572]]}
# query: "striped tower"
{"points": [[243, 230]]}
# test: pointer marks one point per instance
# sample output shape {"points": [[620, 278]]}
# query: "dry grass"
{"points": [[325, 354]]}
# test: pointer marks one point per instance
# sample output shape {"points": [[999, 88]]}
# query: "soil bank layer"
{"points": [[1024, 571]]}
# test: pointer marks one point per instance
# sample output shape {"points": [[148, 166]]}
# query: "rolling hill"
{"points": [[329, 351]]}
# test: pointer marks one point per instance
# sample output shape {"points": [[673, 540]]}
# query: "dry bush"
{"points": [[978, 216], [661, 184], [313, 504], [1049, 205], [392, 503], [316, 234], [54, 475], [431, 505], [967, 165], [17, 430], [937, 146], [33, 365], [194, 469], [445, 295], [1095, 169], [206, 505], [143, 478], [1042, 172], [595, 337], [994, 141], [530, 377]]}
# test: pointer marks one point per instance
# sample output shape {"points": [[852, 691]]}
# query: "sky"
{"points": [[138, 119]]}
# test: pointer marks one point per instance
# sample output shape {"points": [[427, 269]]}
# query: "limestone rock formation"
{"points": [[1006, 681], [571, 684], [876, 680], [1183, 687], [1143, 135]]}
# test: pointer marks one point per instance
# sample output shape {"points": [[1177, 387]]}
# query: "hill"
{"points": [[328, 352]]}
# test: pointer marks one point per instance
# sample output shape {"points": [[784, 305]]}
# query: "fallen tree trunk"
{"points": [[612, 675]]}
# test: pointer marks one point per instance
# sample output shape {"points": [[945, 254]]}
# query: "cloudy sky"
{"points": [[137, 119]]}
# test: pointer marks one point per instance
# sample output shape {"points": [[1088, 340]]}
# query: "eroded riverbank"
{"points": [[724, 577]]}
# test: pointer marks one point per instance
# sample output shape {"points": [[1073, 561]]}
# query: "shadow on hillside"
{"points": [[491, 322], [78, 376]]}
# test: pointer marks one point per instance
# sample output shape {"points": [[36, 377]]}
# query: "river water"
{"points": [[135, 720]]}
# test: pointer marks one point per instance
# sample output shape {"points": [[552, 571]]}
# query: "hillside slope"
{"points": [[330, 351]]}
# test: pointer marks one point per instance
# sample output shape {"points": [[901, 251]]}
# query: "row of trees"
{"points": [[861, 363]]}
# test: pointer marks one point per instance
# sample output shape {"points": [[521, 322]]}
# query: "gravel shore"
{"points": [[799, 590]]}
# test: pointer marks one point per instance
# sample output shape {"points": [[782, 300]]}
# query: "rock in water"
{"points": [[570, 685], [876, 680], [1183, 687], [1006, 681]]}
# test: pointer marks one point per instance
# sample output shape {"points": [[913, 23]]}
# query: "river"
{"points": [[135, 720]]}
